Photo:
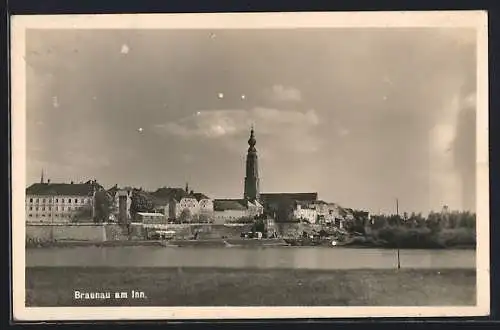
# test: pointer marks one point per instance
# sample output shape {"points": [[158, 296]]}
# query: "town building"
{"points": [[151, 218], [283, 206], [319, 212], [236, 210], [48, 202], [122, 201], [183, 205]]}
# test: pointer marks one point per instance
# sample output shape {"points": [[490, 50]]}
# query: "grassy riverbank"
{"points": [[55, 286]]}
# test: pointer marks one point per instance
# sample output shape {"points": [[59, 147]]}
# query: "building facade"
{"points": [[236, 210], [122, 201], [152, 218], [60, 202]]}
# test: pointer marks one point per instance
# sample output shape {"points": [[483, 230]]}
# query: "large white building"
{"points": [[234, 210], [318, 211], [60, 202]]}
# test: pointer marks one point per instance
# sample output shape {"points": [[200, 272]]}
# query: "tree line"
{"points": [[436, 230]]}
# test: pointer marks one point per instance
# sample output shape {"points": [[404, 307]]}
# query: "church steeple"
{"points": [[252, 141], [252, 191]]}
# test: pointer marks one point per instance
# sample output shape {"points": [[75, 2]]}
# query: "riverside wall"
{"points": [[113, 232], [59, 232]]}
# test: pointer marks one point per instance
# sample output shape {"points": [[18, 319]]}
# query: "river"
{"points": [[271, 257]]}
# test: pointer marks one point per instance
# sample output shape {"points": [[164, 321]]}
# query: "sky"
{"points": [[361, 116]]}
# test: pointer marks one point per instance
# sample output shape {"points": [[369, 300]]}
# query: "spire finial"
{"points": [[251, 140], [41, 177], [187, 188]]}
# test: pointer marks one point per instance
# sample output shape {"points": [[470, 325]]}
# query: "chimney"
{"points": [[71, 182], [48, 181]]}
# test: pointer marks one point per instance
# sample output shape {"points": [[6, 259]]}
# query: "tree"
{"points": [[103, 206], [185, 216], [259, 225], [83, 214], [206, 218], [140, 202]]}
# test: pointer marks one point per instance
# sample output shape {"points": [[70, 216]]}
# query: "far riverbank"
{"points": [[55, 286], [355, 244]]}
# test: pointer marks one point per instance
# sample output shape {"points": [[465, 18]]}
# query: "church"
{"points": [[280, 206]]}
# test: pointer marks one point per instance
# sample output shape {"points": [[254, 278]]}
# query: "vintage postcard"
{"points": [[271, 165]]}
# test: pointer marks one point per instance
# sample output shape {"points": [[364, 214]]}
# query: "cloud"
{"points": [[219, 123], [282, 93], [282, 128]]}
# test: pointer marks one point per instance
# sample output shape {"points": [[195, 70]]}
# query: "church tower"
{"points": [[252, 171]]}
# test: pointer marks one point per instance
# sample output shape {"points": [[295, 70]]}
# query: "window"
{"points": [[37, 208], [57, 208], [43, 215], [62, 200], [57, 200], [69, 200], [43, 208], [31, 200], [36, 215], [76, 201], [43, 200], [31, 215], [31, 208], [36, 200], [83, 200], [50, 208]]}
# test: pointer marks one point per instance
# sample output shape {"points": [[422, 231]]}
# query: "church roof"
{"points": [[277, 197], [229, 204], [62, 189]]}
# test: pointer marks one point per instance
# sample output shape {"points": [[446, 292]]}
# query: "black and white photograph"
{"points": [[271, 165]]}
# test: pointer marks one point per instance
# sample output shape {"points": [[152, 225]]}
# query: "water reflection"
{"points": [[285, 257]]}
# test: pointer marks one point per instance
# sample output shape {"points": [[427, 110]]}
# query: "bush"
{"points": [[457, 237]]}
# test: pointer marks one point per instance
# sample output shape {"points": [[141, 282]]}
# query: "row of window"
{"points": [[49, 208], [63, 200], [56, 215]]}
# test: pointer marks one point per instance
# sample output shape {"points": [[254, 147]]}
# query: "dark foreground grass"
{"points": [[55, 286]]}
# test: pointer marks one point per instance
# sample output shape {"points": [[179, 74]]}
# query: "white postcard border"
{"points": [[19, 24]]}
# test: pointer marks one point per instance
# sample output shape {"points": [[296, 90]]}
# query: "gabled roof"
{"points": [[62, 189], [277, 197], [168, 194], [158, 201], [113, 190], [230, 204], [199, 196]]}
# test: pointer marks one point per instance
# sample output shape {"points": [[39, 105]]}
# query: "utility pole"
{"points": [[397, 213]]}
